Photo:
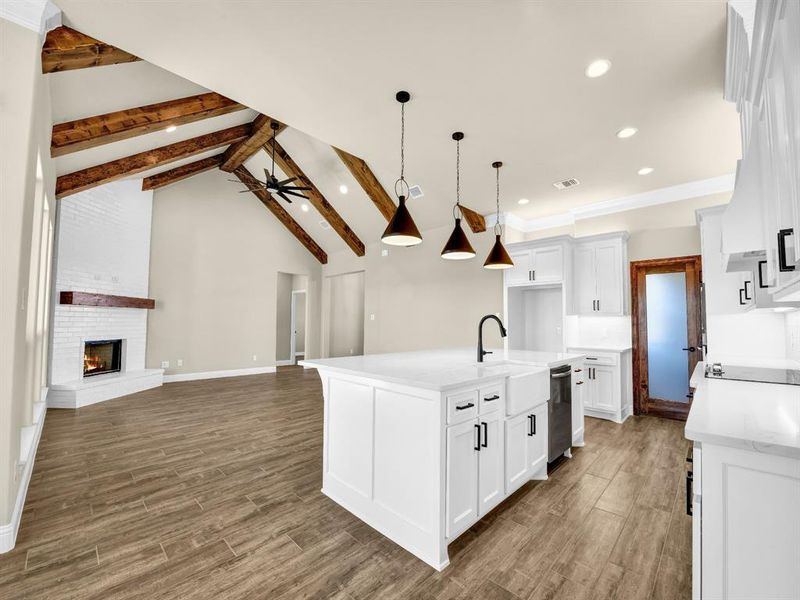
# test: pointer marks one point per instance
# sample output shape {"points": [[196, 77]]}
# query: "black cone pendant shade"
{"points": [[458, 246], [498, 257], [401, 231]]}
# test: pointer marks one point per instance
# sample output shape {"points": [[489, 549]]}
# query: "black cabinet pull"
{"points": [[533, 275], [578, 371], [478, 445], [491, 398], [746, 293], [579, 383], [465, 406], [485, 435], [591, 358], [598, 304], [783, 263], [741, 301], [534, 424], [530, 425], [689, 486], [761, 265]]}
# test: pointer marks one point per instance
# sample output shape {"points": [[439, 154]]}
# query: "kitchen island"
{"points": [[421, 445]]}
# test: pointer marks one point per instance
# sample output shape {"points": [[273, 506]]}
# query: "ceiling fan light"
{"points": [[458, 246], [498, 257], [401, 230]]}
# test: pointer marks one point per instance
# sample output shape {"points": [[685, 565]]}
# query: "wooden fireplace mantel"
{"points": [[93, 299]]}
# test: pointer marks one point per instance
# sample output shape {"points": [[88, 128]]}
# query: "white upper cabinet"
{"points": [[764, 81], [537, 264], [600, 286], [520, 273]]}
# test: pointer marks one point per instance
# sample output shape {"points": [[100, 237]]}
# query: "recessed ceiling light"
{"points": [[304, 207], [171, 128], [626, 132], [645, 170], [598, 68], [343, 189], [523, 201]]}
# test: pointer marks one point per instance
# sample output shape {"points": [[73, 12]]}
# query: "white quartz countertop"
{"points": [[443, 369], [603, 347], [761, 417]]}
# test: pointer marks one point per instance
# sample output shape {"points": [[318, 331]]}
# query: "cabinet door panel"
{"points": [[521, 271], [547, 264], [537, 439], [608, 270], [603, 392], [578, 386], [516, 467], [588, 392], [462, 477], [585, 291], [490, 460]]}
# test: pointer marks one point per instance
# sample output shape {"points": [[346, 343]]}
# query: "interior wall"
{"points": [[415, 300], [345, 318], [215, 255], [26, 179], [283, 314]]}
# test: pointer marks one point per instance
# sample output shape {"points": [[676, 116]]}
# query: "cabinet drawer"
{"points": [[492, 397], [600, 358], [462, 406]]}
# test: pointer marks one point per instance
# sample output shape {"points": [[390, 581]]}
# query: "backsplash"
{"points": [[581, 330], [793, 335]]}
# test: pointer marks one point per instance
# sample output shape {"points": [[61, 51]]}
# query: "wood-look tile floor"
{"points": [[210, 489]]}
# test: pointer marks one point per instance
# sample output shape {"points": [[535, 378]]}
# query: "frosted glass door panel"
{"points": [[667, 361]]}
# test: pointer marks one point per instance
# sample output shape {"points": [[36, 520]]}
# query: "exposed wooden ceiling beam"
{"points": [[475, 220], [238, 153], [159, 180], [287, 164], [65, 49], [284, 217], [131, 165], [368, 182], [123, 124]]}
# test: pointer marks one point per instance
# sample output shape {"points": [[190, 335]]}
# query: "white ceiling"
{"points": [[508, 74]]}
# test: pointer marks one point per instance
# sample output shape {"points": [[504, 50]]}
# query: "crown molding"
{"points": [[37, 15], [675, 193]]}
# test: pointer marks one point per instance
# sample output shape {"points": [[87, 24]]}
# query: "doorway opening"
{"points": [[291, 316], [344, 328], [666, 334]]}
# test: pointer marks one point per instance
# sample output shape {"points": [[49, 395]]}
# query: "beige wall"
{"points": [[25, 243], [344, 294], [215, 255], [658, 231], [283, 315], [420, 300]]}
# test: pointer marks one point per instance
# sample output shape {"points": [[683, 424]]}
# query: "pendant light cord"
{"points": [[402, 180], [497, 200], [457, 208]]}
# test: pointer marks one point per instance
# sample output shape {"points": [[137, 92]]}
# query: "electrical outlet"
{"points": [[165, 364], [180, 362], [372, 317], [255, 358], [384, 252]]}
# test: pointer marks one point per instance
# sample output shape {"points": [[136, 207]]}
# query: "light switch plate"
{"points": [[165, 364]]}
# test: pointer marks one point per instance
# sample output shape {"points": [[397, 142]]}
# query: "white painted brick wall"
{"points": [[103, 246]]}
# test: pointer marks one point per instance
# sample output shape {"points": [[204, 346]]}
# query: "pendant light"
{"points": [[498, 257], [402, 231], [458, 246]]}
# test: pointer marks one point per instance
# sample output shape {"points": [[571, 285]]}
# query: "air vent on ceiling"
{"points": [[324, 224], [415, 192], [567, 183]]}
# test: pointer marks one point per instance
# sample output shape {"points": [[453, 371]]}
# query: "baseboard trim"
{"points": [[175, 377], [8, 531], [285, 363]]}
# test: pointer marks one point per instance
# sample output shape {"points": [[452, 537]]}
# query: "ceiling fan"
{"points": [[272, 184]]}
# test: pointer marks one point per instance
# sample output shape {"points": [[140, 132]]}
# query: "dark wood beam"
{"points": [[65, 49], [131, 165], [475, 220], [179, 173], [287, 164], [368, 182], [123, 124], [238, 153], [284, 217], [94, 299]]}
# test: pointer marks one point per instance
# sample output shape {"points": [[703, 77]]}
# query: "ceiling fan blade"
{"points": [[296, 187], [284, 197], [285, 181], [290, 193]]}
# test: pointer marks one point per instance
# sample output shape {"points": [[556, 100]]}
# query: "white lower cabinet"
{"points": [[490, 463], [602, 387], [526, 447], [746, 524], [607, 389], [578, 386]]}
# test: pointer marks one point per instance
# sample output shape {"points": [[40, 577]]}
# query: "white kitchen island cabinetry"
{"points": [[421, 445], [607, 391]]}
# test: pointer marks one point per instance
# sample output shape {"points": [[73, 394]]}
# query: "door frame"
{"points": [[692, 266], [292, 333]]}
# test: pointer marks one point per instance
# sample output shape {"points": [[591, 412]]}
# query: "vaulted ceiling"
{"points": [[508, 74]]}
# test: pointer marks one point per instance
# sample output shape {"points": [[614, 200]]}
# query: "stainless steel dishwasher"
{"points": [[559, 412]]}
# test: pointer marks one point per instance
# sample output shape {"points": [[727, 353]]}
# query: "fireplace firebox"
{"points": [[102, 356]]}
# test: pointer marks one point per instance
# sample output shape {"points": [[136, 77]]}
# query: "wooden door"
{"points": [[490, 460], [462, 477], [666, 334]]}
